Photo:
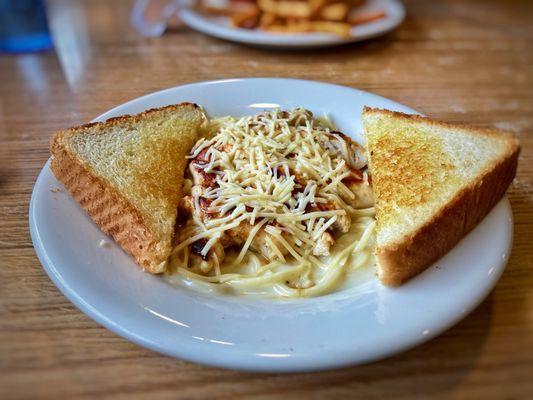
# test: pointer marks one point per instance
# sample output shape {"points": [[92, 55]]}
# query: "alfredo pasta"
{"points": [[279, 203]]}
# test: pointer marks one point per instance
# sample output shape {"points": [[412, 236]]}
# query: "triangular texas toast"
{"points": [[127, 173], [433, 182]]}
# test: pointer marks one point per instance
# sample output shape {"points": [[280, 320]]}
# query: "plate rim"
{"points": [[113, 111], [315, 364]]}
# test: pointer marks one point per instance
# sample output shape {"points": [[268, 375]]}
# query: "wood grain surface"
{"points": [[468, 61]]}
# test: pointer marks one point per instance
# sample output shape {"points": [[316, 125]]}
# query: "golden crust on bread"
{"points": [[108, 209], [437, 180], [401, 261], [127, 173]]}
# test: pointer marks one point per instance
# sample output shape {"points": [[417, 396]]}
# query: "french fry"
{"points": [[334, 12], [287, 9], [338, 28], [246, 20], [364, 18], [267, 19], [295, 27], [317, 5]]}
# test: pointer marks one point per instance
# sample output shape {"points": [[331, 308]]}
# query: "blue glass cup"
{"points": [[23, 26]]}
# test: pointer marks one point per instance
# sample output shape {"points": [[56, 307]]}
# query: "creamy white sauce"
{"points": [[359, 268]]}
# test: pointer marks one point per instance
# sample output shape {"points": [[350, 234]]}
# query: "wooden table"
{"points": [[458, 61]]}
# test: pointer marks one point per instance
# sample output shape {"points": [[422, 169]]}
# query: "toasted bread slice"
{"points": [[127, 173], [433, 182]]}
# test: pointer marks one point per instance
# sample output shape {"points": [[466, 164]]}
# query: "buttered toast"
{"points": [[433, 182], [127, 173]]}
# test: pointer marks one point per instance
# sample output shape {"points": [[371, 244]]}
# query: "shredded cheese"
{"points": [[281, 173]]}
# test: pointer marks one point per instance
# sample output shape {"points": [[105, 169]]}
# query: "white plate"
{"points": [[220, 27], [364, 323]]}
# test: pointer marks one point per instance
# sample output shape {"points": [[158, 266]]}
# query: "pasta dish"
{"points": [[278, 203]]}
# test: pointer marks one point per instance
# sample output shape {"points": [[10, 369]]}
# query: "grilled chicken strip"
{"points": [[364, 197], [216, 254], [355, 157], [323, 245], [358, 183], [343, 222], [354, 153], [200, 177], [259, 243], [206, 264]]}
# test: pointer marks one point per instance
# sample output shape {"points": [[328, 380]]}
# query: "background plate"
{"points": [[220, 27], [364, 323]]}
